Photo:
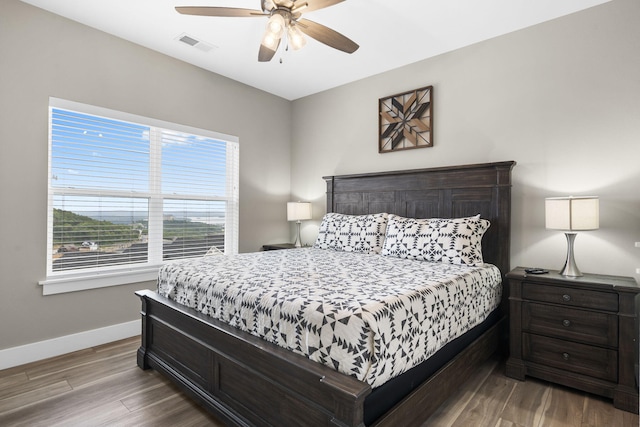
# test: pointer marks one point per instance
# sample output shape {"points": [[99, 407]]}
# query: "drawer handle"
{"points": [[565, 356], [566, 323], [566, 298]]}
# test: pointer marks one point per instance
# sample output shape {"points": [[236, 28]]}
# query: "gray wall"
{"points": [[560, 98], [44, 55]]}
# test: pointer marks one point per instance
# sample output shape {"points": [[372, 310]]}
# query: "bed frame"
{"points": [[247, 381]]}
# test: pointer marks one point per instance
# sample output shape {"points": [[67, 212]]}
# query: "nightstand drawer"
{"points": [[571, 296], [580, 325], [583, 359]]}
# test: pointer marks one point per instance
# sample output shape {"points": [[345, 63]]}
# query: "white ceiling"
{"points": [[391, 33]]}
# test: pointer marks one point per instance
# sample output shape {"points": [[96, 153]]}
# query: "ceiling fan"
{"points": [[284, 15]]}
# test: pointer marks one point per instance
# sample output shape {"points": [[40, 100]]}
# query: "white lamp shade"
{"points": [[572, 213], [298, 211]]}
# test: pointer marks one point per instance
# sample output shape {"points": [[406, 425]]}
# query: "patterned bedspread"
{"points": [[366, 315]]}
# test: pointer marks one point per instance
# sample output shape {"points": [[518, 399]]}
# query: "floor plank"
{"points": [[82, 399], [149, 397], [505, 423], [486, 408], [29, 394], [103, 414], [102, 386], [60, 363], [451, 409], [9, 382], [599, 411], [563, 408], [174, 411], [526, 404]]}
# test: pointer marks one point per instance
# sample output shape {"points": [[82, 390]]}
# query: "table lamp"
{"points": [[298, 212], [572, 214]]}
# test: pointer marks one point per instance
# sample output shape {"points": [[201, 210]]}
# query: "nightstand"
{"points": [[580, 332], [277, 246]]}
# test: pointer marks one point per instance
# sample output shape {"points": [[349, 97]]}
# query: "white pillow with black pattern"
{"points": [[448, 240], [328, 231], [362, 233]]}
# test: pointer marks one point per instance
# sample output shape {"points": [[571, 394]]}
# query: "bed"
{"points": [[246, 380]]}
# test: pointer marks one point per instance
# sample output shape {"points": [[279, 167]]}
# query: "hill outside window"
{"points": [[127, 193]]}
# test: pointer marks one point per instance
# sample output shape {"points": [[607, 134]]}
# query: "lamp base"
{"points": [[570, 268], [297, 243]]}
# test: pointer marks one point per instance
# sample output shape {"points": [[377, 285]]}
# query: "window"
{"points": [[127, 193]]}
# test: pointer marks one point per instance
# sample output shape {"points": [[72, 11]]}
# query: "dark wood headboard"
{"points": [[443, 192]]}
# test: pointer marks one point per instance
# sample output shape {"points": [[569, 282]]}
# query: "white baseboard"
{"points": [[28, 353]]}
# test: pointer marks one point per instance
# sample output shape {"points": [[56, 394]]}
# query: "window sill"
{"points": [[80, 282]]}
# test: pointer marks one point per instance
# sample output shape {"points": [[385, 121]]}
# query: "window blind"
{"points": [[127, 191]]}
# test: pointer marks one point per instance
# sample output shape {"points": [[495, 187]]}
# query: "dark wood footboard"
{"points": [[243, 379], [247, 381]]}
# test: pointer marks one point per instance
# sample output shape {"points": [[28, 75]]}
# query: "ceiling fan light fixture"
{"points": [[270, 40], [282, 15], [276, 25], [296, 39]]}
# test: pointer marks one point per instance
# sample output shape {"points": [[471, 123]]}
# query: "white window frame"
{"points": [[64, 281]]}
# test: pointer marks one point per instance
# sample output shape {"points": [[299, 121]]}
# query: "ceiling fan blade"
{"points": [[219, 11], [265, 54], [316, 4], [327, 36]]}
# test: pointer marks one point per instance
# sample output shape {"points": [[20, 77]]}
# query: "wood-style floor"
{"points": [[103, 386]]}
